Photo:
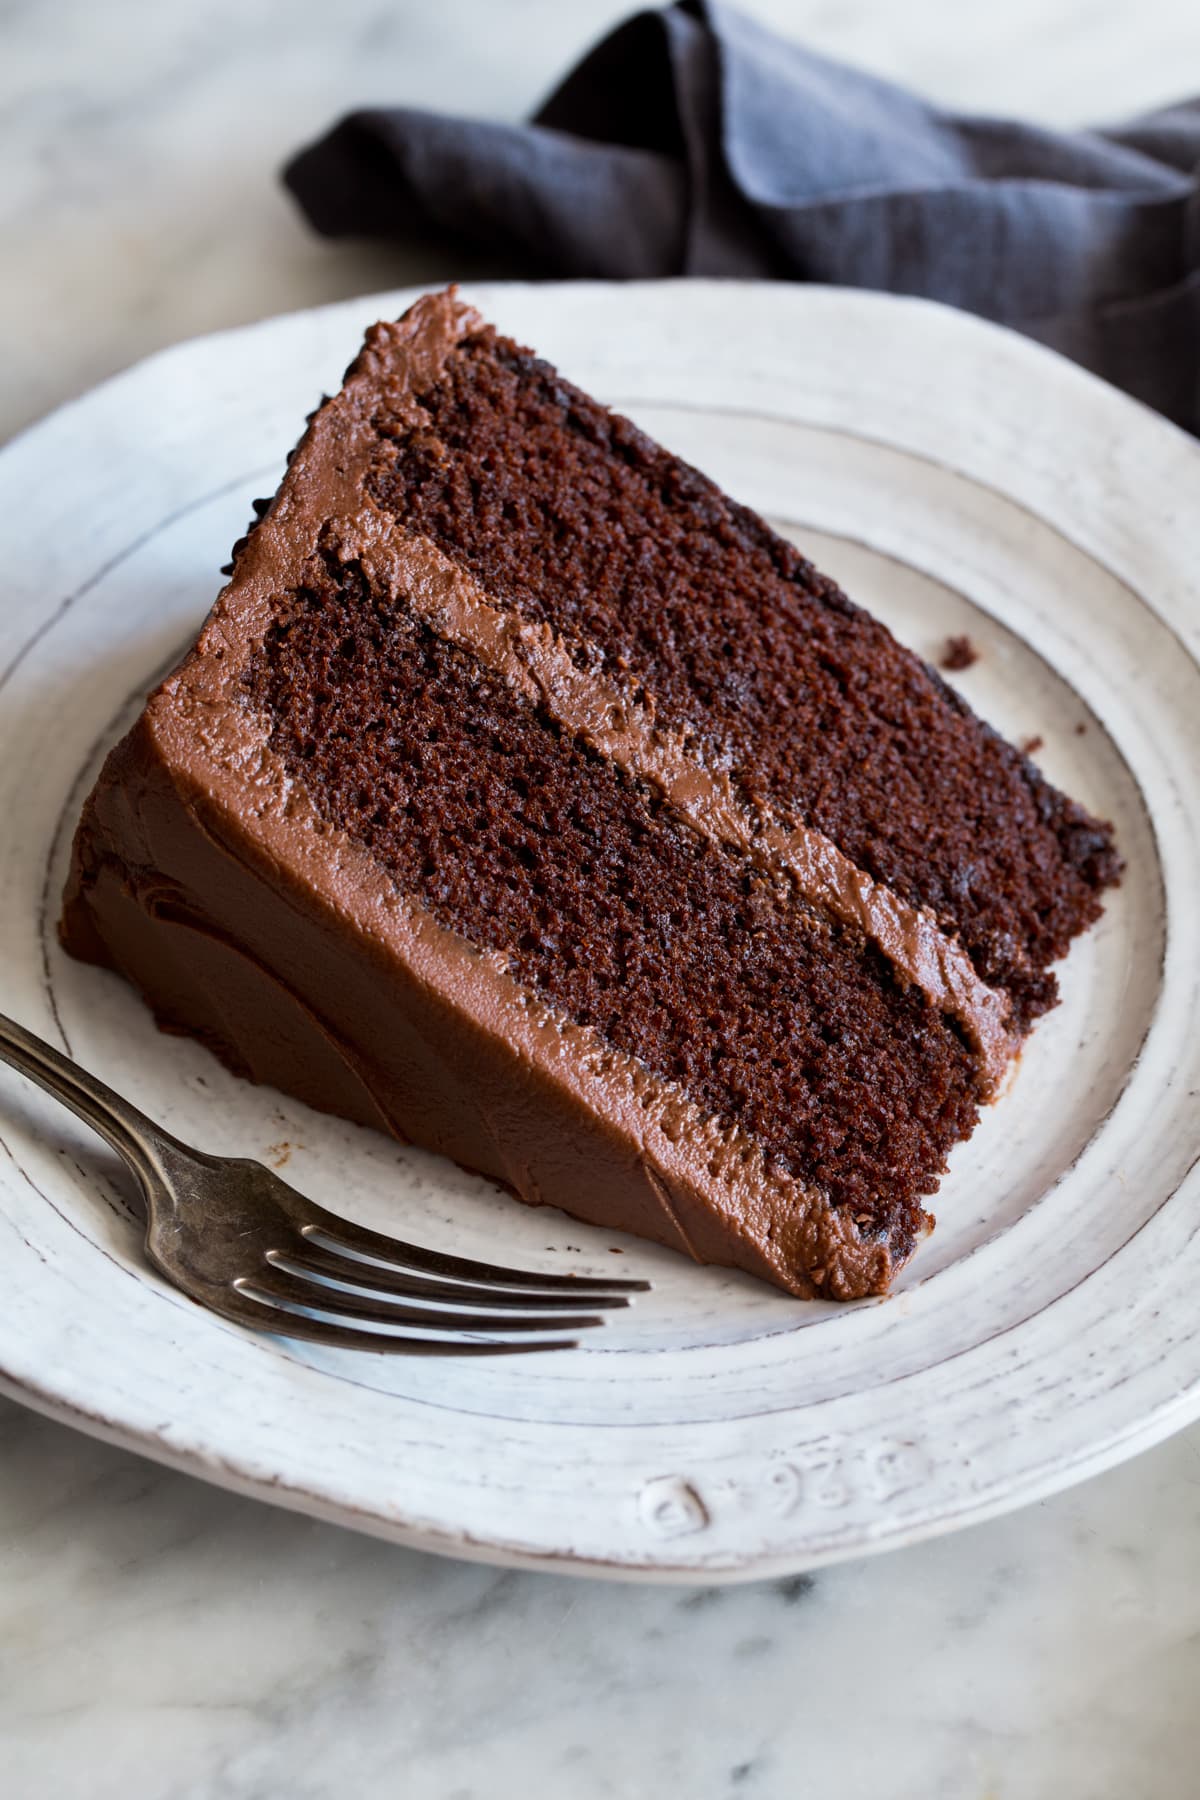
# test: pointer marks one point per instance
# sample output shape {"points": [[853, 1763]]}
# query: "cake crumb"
{"points": [[280, 1154], [958, 653], [1031, 745]]}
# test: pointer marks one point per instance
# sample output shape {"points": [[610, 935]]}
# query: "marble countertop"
{"points": [[161, 1640]]}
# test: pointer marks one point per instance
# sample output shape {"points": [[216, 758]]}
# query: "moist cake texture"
{"points": [[529, 798]]}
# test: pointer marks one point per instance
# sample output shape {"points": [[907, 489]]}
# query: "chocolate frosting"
{"points": [[203, 872], [622, 728]]}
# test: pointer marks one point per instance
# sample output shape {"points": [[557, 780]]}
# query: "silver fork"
{"points": [[231, 1235]]}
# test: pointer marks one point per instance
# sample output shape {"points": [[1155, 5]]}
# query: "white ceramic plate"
{"points": [[956, 479]]}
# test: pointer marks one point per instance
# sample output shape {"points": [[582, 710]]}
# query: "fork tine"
{"points": [[315, 1260], [280, 1286], [277, 1320], [435, 1262]]}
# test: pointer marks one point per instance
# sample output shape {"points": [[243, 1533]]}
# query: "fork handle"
{"points": [[135, 1138]]}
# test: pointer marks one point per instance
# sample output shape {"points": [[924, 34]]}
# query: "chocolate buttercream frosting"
{"points": [[216, 868]]}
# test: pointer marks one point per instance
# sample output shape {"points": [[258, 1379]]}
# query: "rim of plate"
{"points": [[1095, 1372]]}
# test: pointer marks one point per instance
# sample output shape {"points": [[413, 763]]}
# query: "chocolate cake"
{"points": [[528, 798]]}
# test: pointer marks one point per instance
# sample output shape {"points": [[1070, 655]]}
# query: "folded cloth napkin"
{"points": [[695, 142]]}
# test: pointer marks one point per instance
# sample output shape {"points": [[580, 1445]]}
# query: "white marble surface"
{"points": [[163, 1641]]}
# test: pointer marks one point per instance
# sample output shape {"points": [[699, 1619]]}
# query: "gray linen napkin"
{"points": [[696, 142]]}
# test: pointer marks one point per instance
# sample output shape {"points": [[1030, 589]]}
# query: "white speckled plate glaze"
{"points": [[955, 478]]}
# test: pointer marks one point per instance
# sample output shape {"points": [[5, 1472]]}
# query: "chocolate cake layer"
{"points": [[692, 959], [448, 824], [567, 513]]}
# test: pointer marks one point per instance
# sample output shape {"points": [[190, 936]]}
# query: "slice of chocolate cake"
{"points": [[528, 798]]}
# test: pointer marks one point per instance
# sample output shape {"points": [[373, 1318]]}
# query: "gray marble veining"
{"points": [[160, 1638]]}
